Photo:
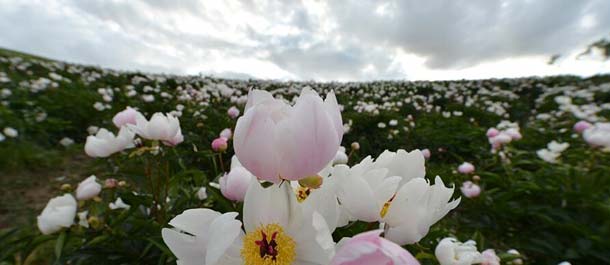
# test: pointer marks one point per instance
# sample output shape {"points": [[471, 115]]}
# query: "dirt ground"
{"points": [[24, 194]]}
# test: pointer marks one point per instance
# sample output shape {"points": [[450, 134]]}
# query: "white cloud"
{"points": [[309, 39]]}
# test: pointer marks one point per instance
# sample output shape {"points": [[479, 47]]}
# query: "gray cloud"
{"points": [[461, 33], [338, 39]]}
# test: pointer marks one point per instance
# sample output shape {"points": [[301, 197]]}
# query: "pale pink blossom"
{"points": [[226, 133], [598, 135], [104, 143], [492, 132], [426, 153], [466, 168], [513, 133], [275, 141], [233, 112], [470, 189], [370, 248], [581, 126], [489, 257], [127, 116], [235, 184], [162, 127]]}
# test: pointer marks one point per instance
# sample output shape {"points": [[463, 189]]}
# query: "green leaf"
{"points": [[59, 244]]}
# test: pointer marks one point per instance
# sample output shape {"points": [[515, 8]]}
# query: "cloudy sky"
{"points": [[309, 39]]}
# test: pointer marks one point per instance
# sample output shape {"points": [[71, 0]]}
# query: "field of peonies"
{"points": [[106, 167]]}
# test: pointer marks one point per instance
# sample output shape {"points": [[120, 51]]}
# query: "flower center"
{"points": [[268, 245], [386, 207], [302, 193]]}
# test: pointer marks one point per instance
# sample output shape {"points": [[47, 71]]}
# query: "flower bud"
{"points": [[202, 193], [110, 183], [66, 187], [313, 182], [426, 153], [233, 112], [219, 144], [94, 222], [226, 133]]}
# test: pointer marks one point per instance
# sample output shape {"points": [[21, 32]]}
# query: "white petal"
{"points": [[356, 195], [224, 232], [185, 247], [274, 204], [195, 221]]}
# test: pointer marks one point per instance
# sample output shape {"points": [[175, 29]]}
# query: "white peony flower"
{"points": [[557, 147], [416, 206], [118, 204], [88, 188], [59, 213], [597, 135], [365, 188], [165, 128], [452, 252], [202, 193], [82, 219], [66, 141], [275, 228], [10, 132], [104, 143]]}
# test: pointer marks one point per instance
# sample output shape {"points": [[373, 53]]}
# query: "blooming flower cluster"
{"points": [[504, 133], [552, 152], [292, 223]]}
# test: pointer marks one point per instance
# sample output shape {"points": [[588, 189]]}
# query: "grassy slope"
{"points": [[25, 189]]}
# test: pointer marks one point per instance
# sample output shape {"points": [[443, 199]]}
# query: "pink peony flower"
{"points": [[127, 116], [370, 248], [492, 132], [514, 133], [598, 135], [470, 189], [275, 141], [219, 144], [226, 133], [581, 126], [466, 168], [235, 184], [426, 153], [233, 112], [489, 257]]}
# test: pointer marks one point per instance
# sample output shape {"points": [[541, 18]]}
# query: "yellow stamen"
{"points": [[386, 207], [302, 193], [268, 245]]}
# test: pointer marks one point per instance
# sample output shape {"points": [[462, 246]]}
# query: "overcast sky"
{"points": [[319, 40]]}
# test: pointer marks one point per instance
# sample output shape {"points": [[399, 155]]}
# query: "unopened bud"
{"points": [[313, 182]]}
